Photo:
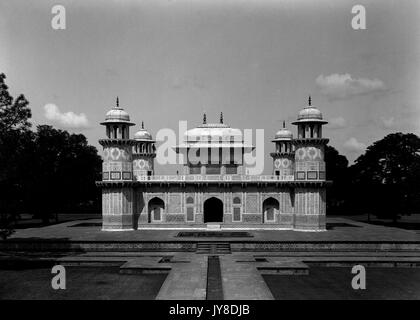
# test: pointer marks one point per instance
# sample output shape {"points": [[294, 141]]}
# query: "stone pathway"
{"points": [[242, 281], [186, 281]]}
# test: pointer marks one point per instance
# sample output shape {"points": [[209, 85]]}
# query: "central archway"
{"points": [[270, 208], [213, 210]]}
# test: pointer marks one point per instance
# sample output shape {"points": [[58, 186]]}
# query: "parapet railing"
{"points": [[215, 177]]}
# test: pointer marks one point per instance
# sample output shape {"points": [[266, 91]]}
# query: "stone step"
{"points": [[284, 268], [213, 226], [144, 265], [213, 248]]}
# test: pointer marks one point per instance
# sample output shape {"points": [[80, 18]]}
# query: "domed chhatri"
{"points": [[283, 133], [310, 114], [283, 155], [117, 123], [117, 115], [309, 122], [143, 135]]}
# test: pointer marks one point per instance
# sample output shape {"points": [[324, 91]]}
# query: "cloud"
{"points": [[68, 120], [337, 123], [182, 82], [388, 123], [344, 86], [352, 145]]}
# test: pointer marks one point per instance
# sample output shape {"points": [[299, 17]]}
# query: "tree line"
{"points": [[384, 181], [42, 171]]}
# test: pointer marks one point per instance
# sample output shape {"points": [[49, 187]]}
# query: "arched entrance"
{"points": [[270, 208], [213, 210], [155, 209]]}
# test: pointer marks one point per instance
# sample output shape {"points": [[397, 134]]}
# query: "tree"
{"points": [[337, 172], [14, 113], [42, 172], [64, 173], [14, 135], [387, 176]]}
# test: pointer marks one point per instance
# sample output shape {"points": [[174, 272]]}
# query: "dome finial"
{"points": [[221, 117], [204, 118], [310, 100], [142, 125], [284, 124], [118, 102]]}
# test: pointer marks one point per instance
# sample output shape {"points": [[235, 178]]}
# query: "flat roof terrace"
{"points": [[215, 178]]}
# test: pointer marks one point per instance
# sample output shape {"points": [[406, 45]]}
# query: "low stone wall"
{"points": [[191, 245]]}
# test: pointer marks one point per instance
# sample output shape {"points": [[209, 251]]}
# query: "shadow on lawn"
{"points": [[401, 225], [38, 223]]}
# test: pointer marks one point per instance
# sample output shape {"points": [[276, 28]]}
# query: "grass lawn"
{"points": [[81, 283], [411, 222], [335, 283]]}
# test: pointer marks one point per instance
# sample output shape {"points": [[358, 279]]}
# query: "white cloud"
{"points": [[337, 123], [388, 123], [352, 145], [65, 119], [344, 86], [185, 81]]}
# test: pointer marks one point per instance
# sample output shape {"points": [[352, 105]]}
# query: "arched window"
{"points": [[236, 200], [237, 209], [190, 213], [190, 208]]}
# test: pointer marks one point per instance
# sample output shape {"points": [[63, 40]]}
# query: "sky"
{"points": [[255, 61]]}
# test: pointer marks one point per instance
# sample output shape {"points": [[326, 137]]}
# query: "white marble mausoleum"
{"points": [[214, 191]]}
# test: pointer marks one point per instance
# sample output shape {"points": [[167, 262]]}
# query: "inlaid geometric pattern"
{"points": [[309, 153], [117, 154]]}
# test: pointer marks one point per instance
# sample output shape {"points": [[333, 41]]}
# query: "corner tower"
{"points": [[283, 156], [117, 171], [310, 193], [144, 153]]}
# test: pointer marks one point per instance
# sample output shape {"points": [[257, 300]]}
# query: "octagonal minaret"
{"points": [[283, 155], [310, 195], [117, 171], [144, 153], [309, 152]]}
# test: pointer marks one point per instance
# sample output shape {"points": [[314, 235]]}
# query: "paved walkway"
{"points": [[186, 281], [242, 281]]}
